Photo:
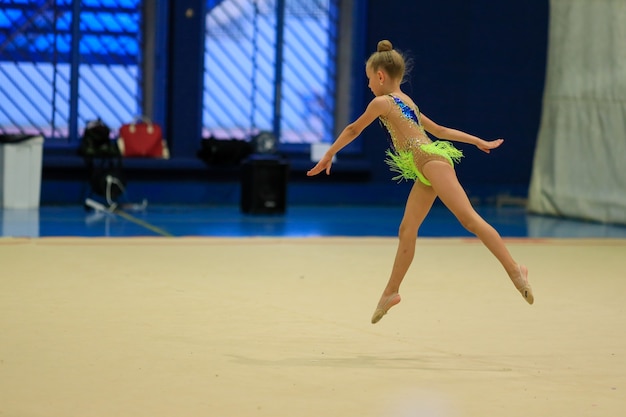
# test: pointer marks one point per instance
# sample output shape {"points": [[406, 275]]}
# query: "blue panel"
{"points": [[186, 72], [482, 71]]}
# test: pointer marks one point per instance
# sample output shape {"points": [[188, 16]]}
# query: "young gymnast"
{"points": [[429, 164]]}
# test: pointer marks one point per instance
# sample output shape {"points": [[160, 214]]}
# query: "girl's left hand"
{"points": [[487, 145]]}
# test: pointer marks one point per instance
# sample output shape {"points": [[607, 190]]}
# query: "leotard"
{"points": [[411, 148]]}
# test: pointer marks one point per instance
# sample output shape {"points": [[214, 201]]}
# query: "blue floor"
{"points": [[299, 221]]}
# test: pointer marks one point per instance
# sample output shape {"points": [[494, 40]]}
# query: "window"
{"points": [[63, 63], [270, 65]]}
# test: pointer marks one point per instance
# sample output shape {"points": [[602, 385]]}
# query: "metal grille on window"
{"points": [[64, 62], [270, 66]]}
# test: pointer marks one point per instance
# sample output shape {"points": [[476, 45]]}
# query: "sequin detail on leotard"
{"points": [[411, 148]]}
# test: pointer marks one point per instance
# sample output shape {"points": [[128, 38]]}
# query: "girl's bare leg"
{"points": [[418, 205], [445, 183]]}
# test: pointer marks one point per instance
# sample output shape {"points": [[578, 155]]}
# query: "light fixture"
{"points": [[265, 142]]}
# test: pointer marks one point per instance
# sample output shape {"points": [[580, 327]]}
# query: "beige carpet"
{"points": [[243, 327]]}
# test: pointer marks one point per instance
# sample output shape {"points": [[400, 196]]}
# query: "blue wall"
{"points": [[478, 66]]}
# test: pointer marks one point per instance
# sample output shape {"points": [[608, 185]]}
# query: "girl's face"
{"points": [[374, 80]]}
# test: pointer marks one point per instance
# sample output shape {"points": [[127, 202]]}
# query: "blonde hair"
{"points": [[388, 59]]}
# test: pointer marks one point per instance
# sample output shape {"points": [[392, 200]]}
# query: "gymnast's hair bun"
{"points": [[384, 46]]}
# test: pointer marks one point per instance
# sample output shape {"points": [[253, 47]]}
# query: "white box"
{"points": [[20, 223], [318, 150], [20, 173]]}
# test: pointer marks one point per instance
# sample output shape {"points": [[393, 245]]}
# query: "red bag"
{"points": [[142, 138]]}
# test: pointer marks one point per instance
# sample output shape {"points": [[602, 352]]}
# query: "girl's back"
{"points": [[403, 122]]}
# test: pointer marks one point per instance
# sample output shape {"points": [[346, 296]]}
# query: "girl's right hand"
{"points": [[324, 164]]}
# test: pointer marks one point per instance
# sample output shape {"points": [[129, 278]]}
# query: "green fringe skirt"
{"points": [[403, 162]]}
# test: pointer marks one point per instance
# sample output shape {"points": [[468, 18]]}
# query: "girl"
{"points": [[430, 164]]}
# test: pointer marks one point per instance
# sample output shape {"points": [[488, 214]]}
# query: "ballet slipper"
{"points": [[384, 306], [523, 286]]}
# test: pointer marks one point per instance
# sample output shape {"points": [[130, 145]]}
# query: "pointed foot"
{"points": [[384, 305], [522, 285]]}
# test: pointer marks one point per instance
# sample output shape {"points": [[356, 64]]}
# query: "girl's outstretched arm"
{"points": [[442, 132], [377, 106]]}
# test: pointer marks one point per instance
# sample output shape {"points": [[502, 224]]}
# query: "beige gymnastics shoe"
{"points": [[523, 286], [384, 306]]}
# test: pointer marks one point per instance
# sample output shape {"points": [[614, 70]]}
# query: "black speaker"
{"points": [[264, 185]]}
